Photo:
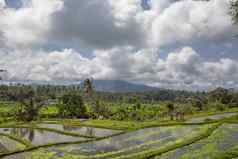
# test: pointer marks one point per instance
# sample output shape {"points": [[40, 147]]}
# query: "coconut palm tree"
{"points": [[2, 71]]}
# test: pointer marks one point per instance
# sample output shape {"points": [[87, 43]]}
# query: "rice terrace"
{"points": [[211, 133], [118, 79]]}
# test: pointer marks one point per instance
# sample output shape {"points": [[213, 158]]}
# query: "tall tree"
{"points": [[72, 106], [2, 71], [29, 107], [88, 88], [171, 110], [234, 10]]}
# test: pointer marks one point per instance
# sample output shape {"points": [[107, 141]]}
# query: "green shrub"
{"points": [[220, 107], [72, 106], [187, 109]]}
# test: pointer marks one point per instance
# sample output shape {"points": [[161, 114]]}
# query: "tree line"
{"points": [[82, 102]]}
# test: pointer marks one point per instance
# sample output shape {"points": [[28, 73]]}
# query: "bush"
{"points": [[50, 111], [187, 109], [99, 110], [220, 107], [121, 114], [72, 106], [27, 111]]}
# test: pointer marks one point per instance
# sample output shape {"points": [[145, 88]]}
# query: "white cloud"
{"points": [[181, 69], [2, 3], [124, 38], [110, 23], [28, 65], [99, 24], [28, 25], [223, 71], [186, 21]]}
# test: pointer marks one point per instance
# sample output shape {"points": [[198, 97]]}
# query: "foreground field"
{"points": [[213, 136]]}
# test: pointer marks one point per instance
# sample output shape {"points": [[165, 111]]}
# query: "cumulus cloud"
{"points": [[100, 24], [223, 71], [125, 41], [48, 66], [186, 69], [109, 23], [182, 68], [188, 21], [28, 25], [2, 3]]}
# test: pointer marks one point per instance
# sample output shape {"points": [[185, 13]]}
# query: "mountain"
{"points": [[99, 85], [120, 86]]}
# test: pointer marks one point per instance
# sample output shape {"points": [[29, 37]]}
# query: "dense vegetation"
{"points": [[152, 124], [234, 10], [31, 102], [77, 122]]}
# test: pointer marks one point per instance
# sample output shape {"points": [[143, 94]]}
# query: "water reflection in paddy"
{"points": [[123, 144], [88, 131], [129, 140], [39, 137], [212, 117], [7, 145], [223, 139]]}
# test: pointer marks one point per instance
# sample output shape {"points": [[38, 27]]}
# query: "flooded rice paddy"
{"points": [[8, 145], [211, 117], [87, 131], [107, 144], [39, 137], [222, 139], [125, 144], [154, 137]]}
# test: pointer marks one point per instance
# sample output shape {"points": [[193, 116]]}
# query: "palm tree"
{"points": [[2, 71], [88, 88], [234, 10], [171, 110]]}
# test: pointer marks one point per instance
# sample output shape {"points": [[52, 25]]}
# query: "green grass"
{"points": [[126, 126], [20, 140], [175, 145], [228, 154], [131, 126], [7, 109], [47, 129], [33, 148], [218, 144], [212, 112], [6, 120], [190, 139], [49, 111]]}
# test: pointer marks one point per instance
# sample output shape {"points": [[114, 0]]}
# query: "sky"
{"points": [[163, 43]]}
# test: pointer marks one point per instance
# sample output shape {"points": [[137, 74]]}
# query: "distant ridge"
{"points": [[120, 86], [99, 85]]}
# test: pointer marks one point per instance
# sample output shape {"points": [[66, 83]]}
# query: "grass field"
{"points": [[102, 139]]}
